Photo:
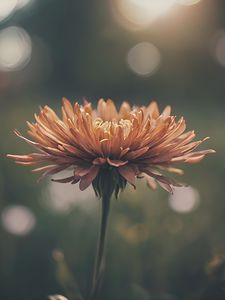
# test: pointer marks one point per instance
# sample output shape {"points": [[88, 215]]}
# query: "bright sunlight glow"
{"points": [[6, 8], [138, 14], [188, 2]]}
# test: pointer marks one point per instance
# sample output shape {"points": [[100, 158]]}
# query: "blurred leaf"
{"points": [[65, 277]]}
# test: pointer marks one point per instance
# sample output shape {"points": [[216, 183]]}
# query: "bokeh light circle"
{"points": [[62, 198], [15, 48], [57, 297], [184, 199], [7, 7], [219, 48], [138, 14], [144, 59], [23, 3], [18, 219]]}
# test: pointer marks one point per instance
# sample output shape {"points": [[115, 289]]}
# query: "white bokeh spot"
{"points": [[144, 59], [7, 7], [184, 199], [18, 219], [15, 48]]}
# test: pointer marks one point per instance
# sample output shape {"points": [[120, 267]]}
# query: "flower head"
{"points": [[108, 148]]}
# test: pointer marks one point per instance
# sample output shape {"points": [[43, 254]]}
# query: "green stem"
{"points": [[100, 248]]}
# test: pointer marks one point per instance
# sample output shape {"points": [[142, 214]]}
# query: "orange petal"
{"points": [[116, 163], [124, 110], [64, 180], [136, 153], [99, 161], [128, 173], [161, 178], [167, 111], [82, 171], [86, 180], [26, 158], [68, 108], [34, 144], [194, 160], [151, 182], [166, 186], [153, 110], [27, 163], [175, 170]]}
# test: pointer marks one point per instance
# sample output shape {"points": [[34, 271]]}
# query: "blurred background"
{"points": [[160, 247]]}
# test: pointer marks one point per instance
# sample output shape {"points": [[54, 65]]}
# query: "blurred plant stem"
{"points": [[99, 259], [65, 277]]}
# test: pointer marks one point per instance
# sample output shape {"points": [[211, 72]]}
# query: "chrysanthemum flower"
{"points": [[108, 148]]}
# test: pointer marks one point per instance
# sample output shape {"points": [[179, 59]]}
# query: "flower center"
{"points": [[110, 127]]}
